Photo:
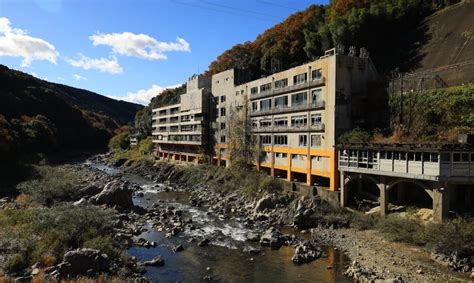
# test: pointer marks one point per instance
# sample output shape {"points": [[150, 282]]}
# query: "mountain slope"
{"points": [[39, 116]]}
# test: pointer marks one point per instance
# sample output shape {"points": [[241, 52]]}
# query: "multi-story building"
{"points": [[296, 115], [230, 100], [299, 113], [181, 130]]}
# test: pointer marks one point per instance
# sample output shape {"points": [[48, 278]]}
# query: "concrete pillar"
{"points": [[383, 197], [343, 190], [440, 204]]}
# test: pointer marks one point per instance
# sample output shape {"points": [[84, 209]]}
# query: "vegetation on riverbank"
{"points": [[454, 237], [46, 234], [41, 226], [120, 149]]}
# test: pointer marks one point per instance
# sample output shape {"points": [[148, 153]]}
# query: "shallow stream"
{"points": [[225, 255]]}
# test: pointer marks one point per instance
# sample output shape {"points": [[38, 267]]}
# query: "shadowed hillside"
{"points": [[39, 116]]}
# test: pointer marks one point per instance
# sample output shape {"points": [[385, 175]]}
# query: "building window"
{"points": [[266, 104], [265, 123], [299, 79], [316, 119], [222, 126], [316, 95], [299, 98], [281, 83], [281, 155], [223, 98], [280, 140], [254, 90], [317, 74], [299, 121], [254, 106], [266, 140], [281, 102], [315, 140], [281, 122], [265, 87], [303, 140], [222, 112], [242, 91]]}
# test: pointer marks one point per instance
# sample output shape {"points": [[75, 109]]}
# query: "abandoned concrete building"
{"points": [[296, 116]]}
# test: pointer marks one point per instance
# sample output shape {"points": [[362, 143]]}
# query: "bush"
{"points": [[356, 135], [103, 244], [16, 262], [45, 234], [456, 236], [363, 222], [402, 230], [51, 184], [119, 142]]}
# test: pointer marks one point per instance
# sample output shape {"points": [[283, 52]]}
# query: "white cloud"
{"points": [[17, 43], [102, 64], [143, 96], [139, 45], [79, 77]]}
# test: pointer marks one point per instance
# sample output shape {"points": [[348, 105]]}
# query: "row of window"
{"points": [[296, 121], [283, 140], [280, 102], [298, 79]]}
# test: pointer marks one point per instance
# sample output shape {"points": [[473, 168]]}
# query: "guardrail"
{"points": [[291, 88]]}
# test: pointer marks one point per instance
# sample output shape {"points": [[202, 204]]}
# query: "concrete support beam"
{"points": [[383, 197], [440, 204], [343, 190]]}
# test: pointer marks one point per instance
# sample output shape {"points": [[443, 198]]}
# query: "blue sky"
{"points": [[119, 47]]}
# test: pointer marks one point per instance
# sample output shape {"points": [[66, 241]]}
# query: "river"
{"points": [[224, 259]]}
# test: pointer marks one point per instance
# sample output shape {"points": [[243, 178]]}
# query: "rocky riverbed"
{"points": [[176, 232]]}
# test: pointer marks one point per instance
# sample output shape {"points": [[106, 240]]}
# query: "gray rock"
{"points": [[272, 238], [305, 253], [157, 261], [268, 201], [178, 248], [83, 262], [115, 193]]}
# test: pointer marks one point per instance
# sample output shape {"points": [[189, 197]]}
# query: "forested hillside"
{"points": [[390, 29], [38, 116], [167, 97]]}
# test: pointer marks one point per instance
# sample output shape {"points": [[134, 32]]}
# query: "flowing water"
{"points": [[224, 256]]}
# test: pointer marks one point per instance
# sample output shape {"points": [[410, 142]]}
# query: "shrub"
{"points": [[51, 184], [119, 142], [16, 262], [402, 230], [363, 222], [45, 234], [103, 244]]}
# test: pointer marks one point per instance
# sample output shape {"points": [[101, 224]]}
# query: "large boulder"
{"points": [[272, 238], [268, 201], [89, 190], [87, 262], [115, 193]]}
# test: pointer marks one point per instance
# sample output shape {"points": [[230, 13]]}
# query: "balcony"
{"points": [[315, 105], [286, 129], [291, 88]]}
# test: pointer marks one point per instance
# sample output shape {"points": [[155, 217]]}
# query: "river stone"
{"points": [[272, 238], [305, 253], [115, 193], [157, 261], [83, 262]]}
